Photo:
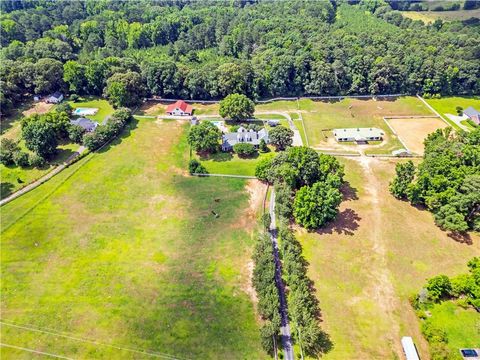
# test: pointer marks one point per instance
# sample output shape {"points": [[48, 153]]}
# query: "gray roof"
{"points": [[85, 123], [357, 133], [470, 111], [246, 136], [56, 95]]}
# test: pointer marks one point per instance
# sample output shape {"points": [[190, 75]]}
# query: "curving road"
{"points": [[285, 328]]}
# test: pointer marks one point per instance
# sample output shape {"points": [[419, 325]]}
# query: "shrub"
{"points": [[439, 287], [75, 133], [262, 147], [20, 158], [8, 148], [74, 97], [459, 110], [36, 161], [244, 149], [195, 167]]}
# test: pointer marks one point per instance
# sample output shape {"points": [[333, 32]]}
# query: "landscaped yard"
{"points": [[320, 117], [367, 264], [103, 106], [448, 105], [122, 248], [462, 326]]}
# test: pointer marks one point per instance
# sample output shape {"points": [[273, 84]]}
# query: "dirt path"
{"points": [[381, 289]]}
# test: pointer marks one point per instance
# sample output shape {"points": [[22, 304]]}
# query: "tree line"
{"points": [[208, 50], [447, 181]]}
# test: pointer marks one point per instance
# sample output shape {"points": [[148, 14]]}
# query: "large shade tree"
{"points": [[204, 137], [237, 107]]}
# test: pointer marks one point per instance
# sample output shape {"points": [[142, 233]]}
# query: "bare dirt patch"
{"points": [[256, 191], [153, 108], [40, 107], [414, 131]]}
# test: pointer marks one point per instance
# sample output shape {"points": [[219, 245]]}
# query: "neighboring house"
{"points": [[273, 123], [55, 98], [472, 114], [244, 136], [85, 123], [180, 108], [358, 134]]}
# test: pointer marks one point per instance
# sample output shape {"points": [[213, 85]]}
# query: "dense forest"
{"points": [[206, 50]]}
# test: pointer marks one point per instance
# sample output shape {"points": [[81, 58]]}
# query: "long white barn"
{"points": [[358, 134]]}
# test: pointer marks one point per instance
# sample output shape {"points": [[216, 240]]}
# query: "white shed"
{"points": [[409, 348]]}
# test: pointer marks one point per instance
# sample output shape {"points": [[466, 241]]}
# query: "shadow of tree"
{"points": [[218, 156], [349, 192], [6, 189], [461, 237], [346, 223]]}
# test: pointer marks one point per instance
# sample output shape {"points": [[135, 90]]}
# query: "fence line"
{"points": [[225, 175], [287, 98], [396, 134], [411, 117]]}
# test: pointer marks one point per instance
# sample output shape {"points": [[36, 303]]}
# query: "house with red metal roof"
{"points": [[180, 108]]}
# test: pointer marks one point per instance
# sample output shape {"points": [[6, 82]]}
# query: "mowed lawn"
{"points": [[103, 106], [321, 115], [231, 164], [122, 248], [448, 105], [367, 264]]}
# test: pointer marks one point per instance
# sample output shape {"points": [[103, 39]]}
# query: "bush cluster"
{"points": [[11, 154], [196, 167], [112, 128]]}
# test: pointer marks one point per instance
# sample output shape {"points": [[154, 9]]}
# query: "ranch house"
{"points": [[179, 108], [87, 124], [243, 135], [358, 135], [55, 98], [472, 114]]}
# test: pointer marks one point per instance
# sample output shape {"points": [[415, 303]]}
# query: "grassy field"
{"points": [[366, 265], [448, 105], [430, 16], [104, 108], [356, 113], [123, 248]]}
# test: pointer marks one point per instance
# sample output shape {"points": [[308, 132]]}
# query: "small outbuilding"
{"points": [[358, 135], [180, 108], [472, 114], [194, 121], [401, 152], [273, 123], [87, 124], [55, 98]]}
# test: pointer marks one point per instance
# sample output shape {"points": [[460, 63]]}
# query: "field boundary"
{"points": [[452, 124], [385, 119], [224, 175], [287, 98]]}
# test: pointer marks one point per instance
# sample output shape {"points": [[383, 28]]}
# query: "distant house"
{"points": [[180, 108], [358, 135], [243, 135], [55, 98], [273, 123], [472, 114], [85, 123]]}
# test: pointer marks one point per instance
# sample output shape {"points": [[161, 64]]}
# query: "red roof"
{"points": [[180, 104]]}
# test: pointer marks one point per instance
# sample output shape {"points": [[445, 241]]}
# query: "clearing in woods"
{"points": [[367, 263], [413, 131], [122, 248]]}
